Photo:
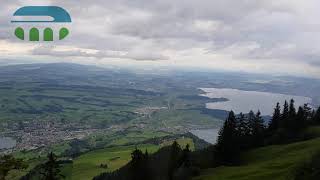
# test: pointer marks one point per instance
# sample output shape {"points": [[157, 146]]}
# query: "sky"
{"points": [[278, 37]]}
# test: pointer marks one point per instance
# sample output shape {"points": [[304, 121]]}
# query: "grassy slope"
{"points": [[272, 162], [87, 166]]}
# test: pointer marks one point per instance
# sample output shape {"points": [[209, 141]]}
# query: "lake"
{"points": [[7, 143], [244, 101], [209, 135]]}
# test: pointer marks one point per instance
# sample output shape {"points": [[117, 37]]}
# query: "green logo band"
{"points": [[34, 34]]}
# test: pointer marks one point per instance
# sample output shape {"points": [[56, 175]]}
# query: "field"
{"points": [[96, 97], [100, 97], [87, 165], [272, 162]]}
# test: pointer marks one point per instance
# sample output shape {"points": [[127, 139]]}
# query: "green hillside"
{"points": [[87, 165], [271, 162]]}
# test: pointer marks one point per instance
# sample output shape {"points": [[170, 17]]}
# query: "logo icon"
{"points": [[57, 14]]}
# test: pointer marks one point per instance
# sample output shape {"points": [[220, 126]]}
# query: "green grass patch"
{"points": [[87, 165], [313, 131], [272, 162]]}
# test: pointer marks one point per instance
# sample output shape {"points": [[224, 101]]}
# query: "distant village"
{"points": [[37, 134]]}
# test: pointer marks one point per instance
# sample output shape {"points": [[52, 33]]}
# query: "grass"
{"points": [[87, 165], [66, 171], [272, 162], [17, 174], [313, 131], [182, 142]]}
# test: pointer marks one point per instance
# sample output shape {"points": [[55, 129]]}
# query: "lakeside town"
{"points": [[38, 134]]}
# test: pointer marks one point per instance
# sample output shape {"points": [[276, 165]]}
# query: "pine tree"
{"points": [[140, 169], [316, 117], [51, 169], [228, 144], [299, 121], [274, 123], [292, 110], [146, 154], [243, 132], [243, 124], [251, 117], [146, 167], [136, 160], [284, 116], [185, 159], [174, 163], [186, 170], [258, 130], [308, 115]]}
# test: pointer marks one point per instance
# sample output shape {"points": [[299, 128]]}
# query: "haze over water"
{"points": [[244, 101], [6, 142]]}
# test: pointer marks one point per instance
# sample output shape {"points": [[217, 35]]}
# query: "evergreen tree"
{"points": [[228, 144], [316, 117], [251, 118], [258, 130], [174, 163], [186, 170], [243, 126], [146, 167], [243, 131], [292, 110], [140, 169], [308, 111], [8, 163], [146, 154], [308, 115], [185, 158], [51, 169], [284, 116], [291, 120], [299, 121], [274, 123]]}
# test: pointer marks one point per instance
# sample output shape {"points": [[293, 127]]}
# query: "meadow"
{"points": [[87, 165], [275, 162]]}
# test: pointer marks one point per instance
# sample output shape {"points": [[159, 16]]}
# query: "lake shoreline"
{"points": [[7, 143], [245, 101]]}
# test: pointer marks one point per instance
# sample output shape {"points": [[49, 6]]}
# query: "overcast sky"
{"points": [[267, 36]]}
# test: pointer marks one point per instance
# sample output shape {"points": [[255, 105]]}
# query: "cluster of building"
{"points": [[37, 134]]}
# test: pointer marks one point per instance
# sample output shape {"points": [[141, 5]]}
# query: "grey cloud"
{"points": [[143, 56], [147, 29]]}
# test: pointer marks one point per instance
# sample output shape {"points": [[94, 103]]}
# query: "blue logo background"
{"points": [[58, 14]]}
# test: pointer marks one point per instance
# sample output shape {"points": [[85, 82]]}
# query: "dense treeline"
{"points": [[239, 133], [242, 132], [170, 163]]}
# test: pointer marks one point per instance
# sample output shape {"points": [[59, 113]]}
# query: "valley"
{"points": [[83, 113]]}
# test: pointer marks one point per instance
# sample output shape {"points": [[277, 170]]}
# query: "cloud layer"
{"points": [[268, 36]]}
